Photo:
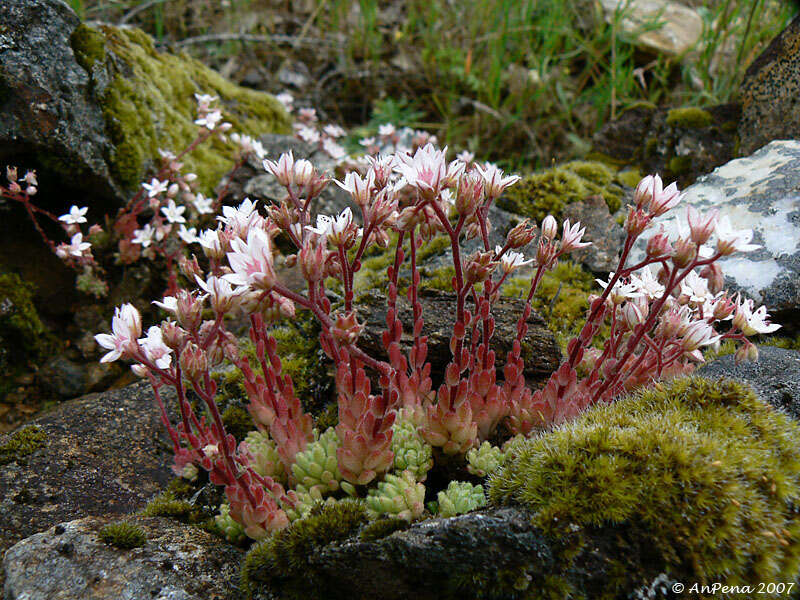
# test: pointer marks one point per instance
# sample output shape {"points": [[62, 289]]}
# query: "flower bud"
{"points": [[347, 329], [303, 172], [521, 235], [172, 335], [685, 253], [637, 222], [480, 267], [549, 228], [713, 274], [658, 245], [189, 311], [631, 316], [194, 361]]}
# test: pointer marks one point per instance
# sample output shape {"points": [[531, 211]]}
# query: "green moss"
{"points": [[650, 146], [550, 190], [149, 104], [679, 164], [21, 443], [437, 279], [237, 421], [702, 473], [123, 535], [377, 530], [20, 325], [168, 505], [89, 46], [631, 177], [689, 117], [280, 562]]}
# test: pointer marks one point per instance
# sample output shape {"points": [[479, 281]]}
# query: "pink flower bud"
{"points": [[631, 316], [193, 361], [549, 228], [637, 222], [521, 235], [701, 226], [347, 329], [685, 253], [659, 245]]}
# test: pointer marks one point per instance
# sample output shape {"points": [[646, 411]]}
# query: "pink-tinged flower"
{"points": [[334, 131], [155, 187], [571, 237], [211, 243], [188, 235], [621, 291], [466, 157], [752, 322], [309, 115], [730, 240], [333, 227], [77, 246], [658, 199], [310, 135], [511, 260], [631, 315], [695, 288], [303, 172], [210, 120], [222, 296], [144, 236], [242, 219], [283, 170], [697, 335], [173, 212], [251, 261], [549, 228], [205, 100], [333, 149], [203, 205], [386, 130], [494, 182], [286, 99], [126, 326], [425, 171], [701, 226], [155, 349], [647, 284], [358, 187], [75, 215], [169, 304], [658, 245]]}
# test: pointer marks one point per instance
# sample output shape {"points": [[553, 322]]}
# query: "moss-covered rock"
{"points": [[689, 117], [22, 443], [703, 470], [123, 535], [147, 99], [548, 191]]}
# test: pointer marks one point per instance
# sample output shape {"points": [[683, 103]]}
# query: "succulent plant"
{"points": [[460, 497], [315, 469], [399, 496], [266, 460], [485, 459], [233, 531], [411, 452]]}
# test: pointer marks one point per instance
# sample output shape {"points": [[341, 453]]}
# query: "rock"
{"points": [[680, 30], [758, 192], [90, 107], [602, 230], [177, 562], [679, 143], [540, 351], [104, 454], [64, 377], [775, 377], [770, 110], [252, 181]]}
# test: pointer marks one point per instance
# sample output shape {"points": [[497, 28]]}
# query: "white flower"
{"points": [[494, 181], [621, 291], [696, 289], [698, 334], [647, 284], [750, 321], [571, 237], [210, 120], [212, 245], [155, 187], [144, 236], [358, 187], [242, 218], [77, 246], [307, 134], [203, 205], [75, 215], [334, 150], [730, 240], [188, 235], [511, 260], [283, 169], [286, 99], [334, 131], [251, 261], [173, 212], [155, 349], [223, 296], [332, 226], [205, 100], [169, 304], [466, 157], [126, 326], [386, 130]]}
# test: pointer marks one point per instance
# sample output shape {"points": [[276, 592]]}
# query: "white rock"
{"points": [[681, 27]]}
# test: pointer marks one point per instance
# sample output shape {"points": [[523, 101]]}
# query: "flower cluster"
{"points": [[659, 314]]}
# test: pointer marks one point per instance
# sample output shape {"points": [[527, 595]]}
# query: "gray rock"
{"points": [[775, 377], [759, 192], [770, 110], [104, 454], [69, 561], [45, 95], [64, 377], [602, 230]]}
